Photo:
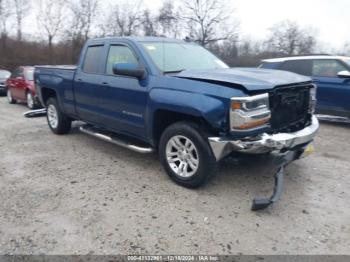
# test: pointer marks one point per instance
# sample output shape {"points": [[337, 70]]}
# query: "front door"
{"points": [[126, 97]]}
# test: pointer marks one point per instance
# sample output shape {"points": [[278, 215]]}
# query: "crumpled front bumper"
{"points": [[264, 143]]}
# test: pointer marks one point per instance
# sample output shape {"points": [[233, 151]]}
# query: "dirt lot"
{"points": [[75, 194]]}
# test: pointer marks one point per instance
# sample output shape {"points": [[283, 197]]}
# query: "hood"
{"points": [[252, 79]]}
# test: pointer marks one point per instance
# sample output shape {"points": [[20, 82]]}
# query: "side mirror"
{"points": [[129, 69], [344, 74]]}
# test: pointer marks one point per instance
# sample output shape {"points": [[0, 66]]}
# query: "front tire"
{"points": [[185, 155], [58, 122], [10, 98]]}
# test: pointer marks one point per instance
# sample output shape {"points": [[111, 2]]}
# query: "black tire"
{"points": [[63, 124], [10, 99], [206, 159]]}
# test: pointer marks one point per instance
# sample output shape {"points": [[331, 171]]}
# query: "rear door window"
{"points": [[302, 67], [92, 59], [327, 68], [119, 54]]}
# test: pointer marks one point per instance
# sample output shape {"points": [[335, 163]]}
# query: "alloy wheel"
{"points": [[52, 116], [182, 156]]}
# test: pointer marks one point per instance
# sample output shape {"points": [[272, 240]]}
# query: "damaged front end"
{"points": [[288, 126]]}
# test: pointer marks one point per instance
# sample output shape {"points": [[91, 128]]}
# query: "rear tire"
{"points": [[30, 100], [58, 122], [186, 155], [10, 99]]}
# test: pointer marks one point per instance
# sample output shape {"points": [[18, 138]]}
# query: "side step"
{"points": [[35, 113], [112, 138], [335, 119]]}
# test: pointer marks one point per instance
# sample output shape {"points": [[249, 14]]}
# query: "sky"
{"points": [[330, 18]]}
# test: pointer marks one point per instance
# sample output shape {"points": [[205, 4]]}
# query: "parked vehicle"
{"points": [[331, 74], [4, 75], [20, 87], [178, 98]]}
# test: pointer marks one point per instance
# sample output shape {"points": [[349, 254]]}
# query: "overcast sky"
{"points": [[329, 17]]}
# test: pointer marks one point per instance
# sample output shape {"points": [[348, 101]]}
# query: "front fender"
{"points": [[213, 110]]}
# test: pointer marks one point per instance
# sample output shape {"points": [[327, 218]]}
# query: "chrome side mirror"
{"points": [[344, 74]]}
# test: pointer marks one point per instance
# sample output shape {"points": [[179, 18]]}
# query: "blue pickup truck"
{"points": [[177, 98]]}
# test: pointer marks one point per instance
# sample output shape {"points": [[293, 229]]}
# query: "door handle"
{"points": [[105, 83], [79, 79]]}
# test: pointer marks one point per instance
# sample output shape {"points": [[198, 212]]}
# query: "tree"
{"points": [[21, 8], [207, 20], [168, 20], [124, 19], [5, 14], [287, 38], [148, 24], [347, 48], [50, 19], [83, 14]]}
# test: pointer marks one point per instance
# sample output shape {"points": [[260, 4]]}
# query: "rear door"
{"points": [[333, 93], [89, 95]]}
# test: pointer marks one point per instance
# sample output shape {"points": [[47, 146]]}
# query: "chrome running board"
{"points": [[35, 113], [112, 138]]}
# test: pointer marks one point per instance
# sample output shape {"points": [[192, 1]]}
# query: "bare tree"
{"points": [[21, 8], [347, 48], [5, 14], [82, 18], [124, 19], [168, 20], [149, 24], [50, 19], [208, 20], [287, 38], [83, 14]]}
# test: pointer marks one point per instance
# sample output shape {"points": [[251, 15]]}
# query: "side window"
{"points": [[92, 57], [269, 65], [302, 67], [16, 73], [327, 68], [119, 54]]}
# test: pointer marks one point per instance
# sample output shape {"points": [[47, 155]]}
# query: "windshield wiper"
{"points": [[173, 71]]}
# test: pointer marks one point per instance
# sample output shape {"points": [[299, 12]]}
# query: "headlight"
{"points": [[313, 100], [249, 112]]}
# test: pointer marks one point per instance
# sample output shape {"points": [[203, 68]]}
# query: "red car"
{"points": [[20, 87]]}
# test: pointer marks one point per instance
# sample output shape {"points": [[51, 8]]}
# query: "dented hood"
{"points": [[252, 79]]}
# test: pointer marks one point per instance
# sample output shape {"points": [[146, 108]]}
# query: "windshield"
{"points": [[4, 74], [174, 57], [29, 74], [347, 61]]}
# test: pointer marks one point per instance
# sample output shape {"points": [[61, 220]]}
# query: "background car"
{"points": [[4, 75], [20, 87], [331, 74]]}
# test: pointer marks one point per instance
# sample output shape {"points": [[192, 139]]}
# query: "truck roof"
{"points": [[140, 39], [309, 57]]}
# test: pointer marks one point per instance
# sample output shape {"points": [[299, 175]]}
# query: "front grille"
{"points": [[289, 107]]}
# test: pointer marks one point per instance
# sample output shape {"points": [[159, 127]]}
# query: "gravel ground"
{"points": [[75, 194]]}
